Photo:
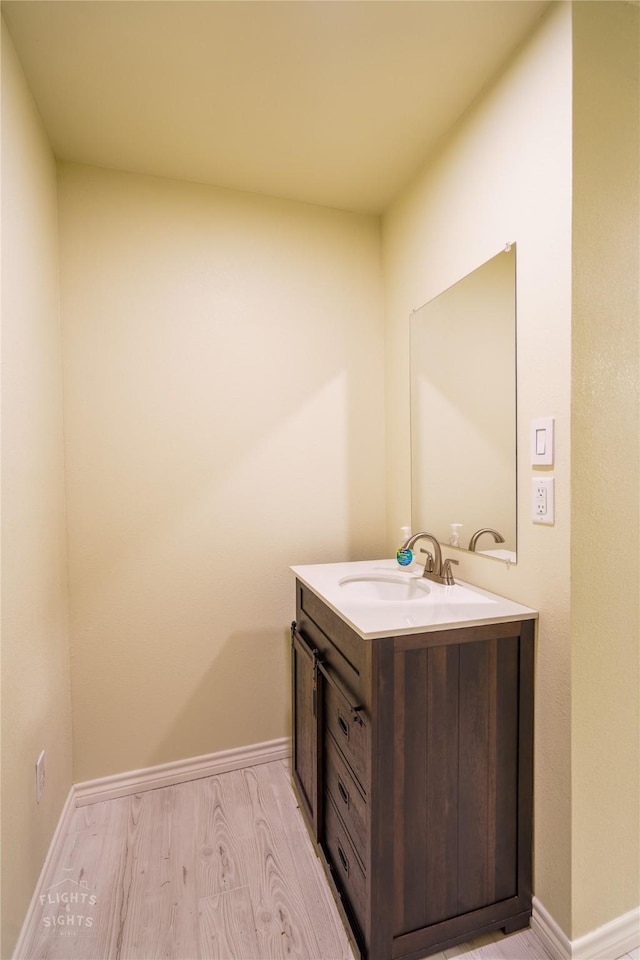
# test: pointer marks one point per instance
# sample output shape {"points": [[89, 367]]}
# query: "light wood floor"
{"points": [[214, 868]]}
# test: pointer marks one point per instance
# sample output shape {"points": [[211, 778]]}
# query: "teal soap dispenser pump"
{"points": [[403, 556]]}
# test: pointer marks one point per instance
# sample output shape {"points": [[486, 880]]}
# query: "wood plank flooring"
{"points": [[217, 868], [214, 869]]}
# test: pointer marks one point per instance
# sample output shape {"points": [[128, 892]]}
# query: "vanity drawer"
{"points": [[348, 800], [351, 735], [346, 868]]}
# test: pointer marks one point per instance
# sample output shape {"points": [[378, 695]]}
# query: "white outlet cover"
{"points": [[542, 500], [39, 776]]}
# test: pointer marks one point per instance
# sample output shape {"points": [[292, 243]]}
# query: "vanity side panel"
{"points": [[442, 748], [487, 774], [463, 719], [380, 852], [425, 788], [525, 763], [410, 847], [507, 752]]}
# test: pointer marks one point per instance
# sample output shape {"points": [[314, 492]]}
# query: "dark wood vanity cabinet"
{"points": [[412, 762]]}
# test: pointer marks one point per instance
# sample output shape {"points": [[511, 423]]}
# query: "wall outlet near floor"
{"points": [[39, 776]]}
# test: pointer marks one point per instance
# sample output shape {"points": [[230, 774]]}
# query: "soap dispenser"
{"points": [[404, 557], [454, 539]]}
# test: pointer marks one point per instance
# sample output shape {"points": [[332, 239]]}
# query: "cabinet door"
{"points": [[457, 796], [306, 706]]}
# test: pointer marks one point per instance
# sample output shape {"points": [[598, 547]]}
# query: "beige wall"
{"points": [[36, 710], [515, 169], [505, 175], [224, 369], [224, 419], [605, 430]]}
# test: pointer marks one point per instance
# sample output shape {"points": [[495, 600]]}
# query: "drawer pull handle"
{"points": [[343, 859], [344, 793], [344, 726]]}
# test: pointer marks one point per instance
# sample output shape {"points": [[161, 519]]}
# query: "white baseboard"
{"points": [[546, 929], [179, 771], [56, 841], [611, 940], [608, 942]]}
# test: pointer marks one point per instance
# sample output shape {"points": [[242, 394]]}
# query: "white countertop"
{"points": [[459, 605]]}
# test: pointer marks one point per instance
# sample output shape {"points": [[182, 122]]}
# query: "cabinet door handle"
{"points": [[298, 643], [343, 859], [344, 793], [320, 667], [298, 640], [354, 708]]}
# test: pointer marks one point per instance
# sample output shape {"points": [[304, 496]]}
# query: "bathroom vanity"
{"points": [[412, 753]]}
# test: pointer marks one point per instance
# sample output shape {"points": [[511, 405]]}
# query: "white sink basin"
{"points": [[378, 599], [385, 586]]}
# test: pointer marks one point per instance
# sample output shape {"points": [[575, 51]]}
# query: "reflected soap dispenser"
{"points": [[454, 539], [404, 557]]}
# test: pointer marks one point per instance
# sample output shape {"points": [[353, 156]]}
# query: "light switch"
{"points": [[542, 442]]}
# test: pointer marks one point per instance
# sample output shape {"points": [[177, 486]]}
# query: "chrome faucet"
{"points": [[435, 568], [476, 536]]}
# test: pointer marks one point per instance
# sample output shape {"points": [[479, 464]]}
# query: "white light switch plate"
{"points": [[542, 500], [542, 442]]}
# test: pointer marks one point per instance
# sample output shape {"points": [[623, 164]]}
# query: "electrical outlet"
{"points": [[542, 500], [39, 776]]}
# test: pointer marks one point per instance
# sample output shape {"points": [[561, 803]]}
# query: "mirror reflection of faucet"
{"points": [[476, 536], [435, 567]]}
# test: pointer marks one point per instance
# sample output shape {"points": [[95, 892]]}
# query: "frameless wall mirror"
{"points": [[463, 411]]}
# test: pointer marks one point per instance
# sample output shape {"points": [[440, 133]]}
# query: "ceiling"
{"points": [[335, 102]]}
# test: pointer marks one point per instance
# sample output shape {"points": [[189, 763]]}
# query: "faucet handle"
{"points": [[446, 570], [428, 565]]}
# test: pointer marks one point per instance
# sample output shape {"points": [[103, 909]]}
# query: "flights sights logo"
{"points": [[68, 907]]}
